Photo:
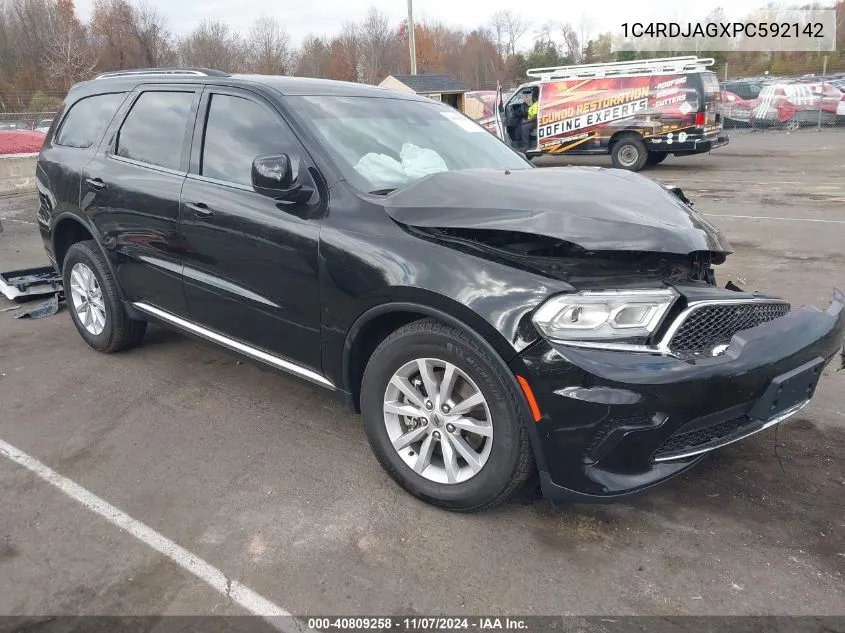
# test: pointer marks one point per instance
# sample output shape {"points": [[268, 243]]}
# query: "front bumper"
{"points": [[616, 422]]}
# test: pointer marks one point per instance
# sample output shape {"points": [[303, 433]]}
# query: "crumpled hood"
{"points": [[598, 209]]}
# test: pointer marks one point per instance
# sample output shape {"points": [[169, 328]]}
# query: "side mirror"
{"points": [[276, 177]]}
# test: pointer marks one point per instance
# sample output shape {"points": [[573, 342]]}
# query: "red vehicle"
{"points": [[639, 112]]}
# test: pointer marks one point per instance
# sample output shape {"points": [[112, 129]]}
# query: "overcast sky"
{"points": [[325, 17]]}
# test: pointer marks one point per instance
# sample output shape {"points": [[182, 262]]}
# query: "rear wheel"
{"points": [[443, 420], [655, 158], [94, 302], [629, 152]]}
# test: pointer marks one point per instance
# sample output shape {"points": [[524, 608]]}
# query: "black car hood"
{"points": [[595, 208]]}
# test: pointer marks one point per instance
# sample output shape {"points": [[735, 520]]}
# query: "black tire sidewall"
{"points": [[499, 468], [85, 254], [641, 149]]}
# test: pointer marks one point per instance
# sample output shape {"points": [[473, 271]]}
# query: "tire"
{"points": [[116, 331], [509, 461], [630, 153], [655, 158]]}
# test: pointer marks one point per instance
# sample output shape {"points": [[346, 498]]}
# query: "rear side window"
{"points": [[154, 131], [88, 119], [710, 83], [236, 133]]}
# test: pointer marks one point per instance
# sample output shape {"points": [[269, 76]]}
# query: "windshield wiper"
{"points": [[383, 192]]}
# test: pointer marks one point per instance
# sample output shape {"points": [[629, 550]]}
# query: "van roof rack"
{"points": [[168, 72], [614, 69]]}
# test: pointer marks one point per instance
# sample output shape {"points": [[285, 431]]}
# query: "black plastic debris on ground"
{"points": [[41, 310]]}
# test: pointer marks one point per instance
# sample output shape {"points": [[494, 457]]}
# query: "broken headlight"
{"points": [[603, 314]]}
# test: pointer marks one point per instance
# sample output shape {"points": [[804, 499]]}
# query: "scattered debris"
{"points": [[30, 282], [43, 309]]}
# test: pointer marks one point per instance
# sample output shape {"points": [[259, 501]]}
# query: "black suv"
{"points": [[493, 322]]}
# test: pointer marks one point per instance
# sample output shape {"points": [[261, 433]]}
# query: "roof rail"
{"points": [[615, 69], [169, 72]]}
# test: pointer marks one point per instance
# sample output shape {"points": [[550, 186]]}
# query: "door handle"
{"points": [[95, 183], [199, 209]]}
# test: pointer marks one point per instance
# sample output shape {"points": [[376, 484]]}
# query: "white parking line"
{"points": [[765, 217], [213, 577]]}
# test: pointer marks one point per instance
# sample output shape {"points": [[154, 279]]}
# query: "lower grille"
{"points": [[711, 325], [701, 439], [606, 427]]}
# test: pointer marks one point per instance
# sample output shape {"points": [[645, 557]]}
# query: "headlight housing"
{"points": [[595, 315]]}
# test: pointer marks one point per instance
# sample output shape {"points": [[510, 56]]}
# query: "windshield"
{"points": [[382, 144]]}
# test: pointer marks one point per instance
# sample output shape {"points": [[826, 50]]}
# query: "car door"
{"points": [[132, 191], [250, 260], [66, 152]]}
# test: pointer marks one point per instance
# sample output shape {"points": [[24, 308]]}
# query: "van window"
{"points": [[711, 85], [237, 131], [154, 131], [88, 119]]}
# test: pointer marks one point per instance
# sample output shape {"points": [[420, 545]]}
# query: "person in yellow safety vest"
{"points": [[530, 123]]}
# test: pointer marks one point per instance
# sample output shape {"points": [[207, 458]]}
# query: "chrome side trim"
{"points": [[227, 286], [205, 278], [237, 346], [780, 418], [161, 263]]}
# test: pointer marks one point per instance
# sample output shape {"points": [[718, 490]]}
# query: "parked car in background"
{"points": [[736, 111], [746, 89], [796, 104], [43, 125]]}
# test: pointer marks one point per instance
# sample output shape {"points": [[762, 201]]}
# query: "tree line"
{"points": [[44, 46]]}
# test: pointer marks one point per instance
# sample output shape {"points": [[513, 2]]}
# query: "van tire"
{"points": [[629, 152], [655, 158]]}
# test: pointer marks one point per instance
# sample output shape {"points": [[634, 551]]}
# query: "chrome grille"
{"points": [[715, 324]]}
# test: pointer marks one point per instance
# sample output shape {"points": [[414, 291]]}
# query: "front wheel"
{"points": [[443, 420], [629, 153]]}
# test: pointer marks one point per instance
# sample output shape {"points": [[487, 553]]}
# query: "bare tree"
{"points": [[585, 29], [269, 48], [375, 44], [346, 57], [212, 44], [314, 58], [570, 45], [153, 36], [515, 26], [498, 23], [67, 57]]}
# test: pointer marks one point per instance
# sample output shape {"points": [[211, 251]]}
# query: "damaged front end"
{"points": [[577, 266], [588, 227], [643, 364]]}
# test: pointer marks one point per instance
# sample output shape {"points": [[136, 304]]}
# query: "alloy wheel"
{"points": [[87, 298], [438, 420]]}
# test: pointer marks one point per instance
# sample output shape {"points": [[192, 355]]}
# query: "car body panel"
{"points": [[597, 212]]}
